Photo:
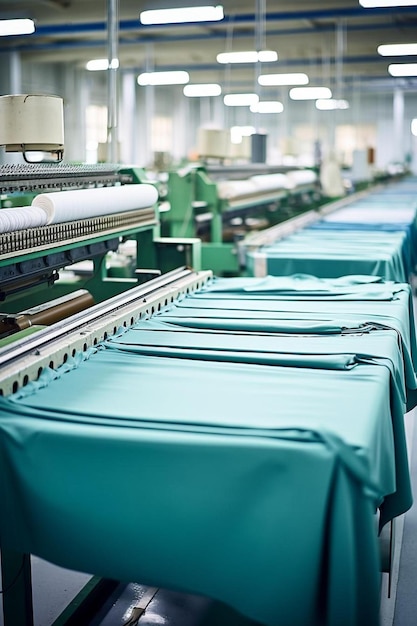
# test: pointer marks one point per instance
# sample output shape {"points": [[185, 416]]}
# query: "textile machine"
{"points": [[221, 204], [58, 224], [60, 293], [26, 354]]}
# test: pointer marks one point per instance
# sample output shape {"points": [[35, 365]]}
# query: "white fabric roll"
{"points": [[77, 204], [302, 177], [19, 218], [271, 182], [232, 189]]}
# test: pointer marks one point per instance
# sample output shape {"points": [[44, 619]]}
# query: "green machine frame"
{"points": [[193, 197], [30, 262]]}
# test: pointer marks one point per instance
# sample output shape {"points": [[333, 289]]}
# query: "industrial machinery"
{"points": [[45, 260], [25, 356], [222, 204], [80, 256]]}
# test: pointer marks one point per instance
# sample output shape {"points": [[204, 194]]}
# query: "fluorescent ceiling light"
{"points": [[163, 78], [240, 99], [414, 127], [247, 56], [182, 15], [403, 69], [330, 104], [397, 49], [310, 93], [206, 89], [267, 107], [101, 64], [297, 78], [267, 56], [373, 4], [16, 27]]}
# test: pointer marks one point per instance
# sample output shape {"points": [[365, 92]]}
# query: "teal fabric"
{"points": [[373, 235], [235, 445], [377, 302], [330, 254], [304, 286], [323, 352], [212, 478]]}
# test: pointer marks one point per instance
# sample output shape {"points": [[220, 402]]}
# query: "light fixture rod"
{"points": [[112, 72]]}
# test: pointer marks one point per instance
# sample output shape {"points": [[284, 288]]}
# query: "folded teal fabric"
{"points": [[207, 477], [236, 444], [394, 311], [374, 235], [306, 286], [161, 338], [330, 254]]}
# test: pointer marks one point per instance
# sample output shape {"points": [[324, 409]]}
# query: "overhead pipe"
{"points": [[73, 29], [275, 16]]}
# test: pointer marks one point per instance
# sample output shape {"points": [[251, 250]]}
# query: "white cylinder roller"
{"points": [[78, 204], [19, 218], [32, 122]]}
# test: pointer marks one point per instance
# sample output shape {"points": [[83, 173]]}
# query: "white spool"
{"points": [[19, 218], [32, 122], [77, 204], [213, 143]]}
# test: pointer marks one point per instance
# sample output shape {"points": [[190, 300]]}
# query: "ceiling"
{"points": [[333, 41]]}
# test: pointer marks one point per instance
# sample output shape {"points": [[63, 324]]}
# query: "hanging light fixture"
{"points": [[373, 4], [267, 106], [182, 15], [331, 104], [247, 56], [403, 69], [96, 65], [16, 27], [240, 99], [397, 49], [296, 78], [163, 78], [310, 93], [202, 90]]}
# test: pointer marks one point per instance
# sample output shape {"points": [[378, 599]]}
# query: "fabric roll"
{"points": [[19, 218], [302, 177], [229, 189], [66, 206], [270, 182]]}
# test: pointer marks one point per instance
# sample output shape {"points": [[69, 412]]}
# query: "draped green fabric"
{"points": [[374, 301], [305, 285], [231, 445], [208, 477], [160, 338]]}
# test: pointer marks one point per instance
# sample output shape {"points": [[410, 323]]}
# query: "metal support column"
{"points": [[17, 588]]}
